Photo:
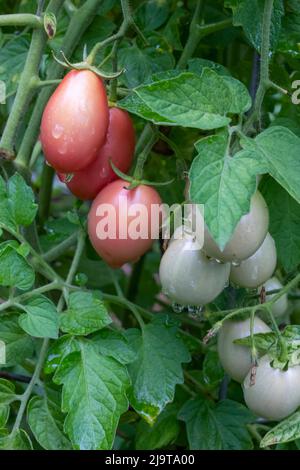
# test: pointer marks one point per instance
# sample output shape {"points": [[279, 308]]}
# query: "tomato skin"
{"points": [[257, 269], [75, 122], [235, 358], [275, 394], [118, 251], [119, 147], [247, 237], [188, 277]]}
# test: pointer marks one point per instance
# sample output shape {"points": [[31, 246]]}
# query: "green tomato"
{"points": [[275, 394], [236, 359], [280, 307], [188, 277], [257, 269]]}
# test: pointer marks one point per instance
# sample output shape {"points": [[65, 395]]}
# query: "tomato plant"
{"points": [[120, 122]]}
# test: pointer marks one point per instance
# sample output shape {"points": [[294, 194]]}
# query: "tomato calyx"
{"points": [[86, 66], [135, 182]]}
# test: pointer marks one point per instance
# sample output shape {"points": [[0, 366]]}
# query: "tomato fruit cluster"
{"points": [[80, 137]]}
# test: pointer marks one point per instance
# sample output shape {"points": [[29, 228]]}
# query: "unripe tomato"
{"points": [[188, 277], [247, 237], [236, 359], [132, 209], [281, 305], [276, 393], [257, 269], [119, 147], [75, 122]]}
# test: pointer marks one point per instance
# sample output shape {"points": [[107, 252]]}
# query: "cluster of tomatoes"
{"points": [[80, 137], [192, 277]]}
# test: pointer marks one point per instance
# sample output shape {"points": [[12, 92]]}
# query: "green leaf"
{"points": [[172, 29], [152, 14], [197, 65], [6, 217], [216, 427], [85, 314], [94, 396], [161, 434], [21, 200], [14, 269], [46, 423], [7, 392], [249, 15], [58, 351], [4, 415], [270, 147], [263, 341], [134, 105], [157, 369], [223, 184], [115, 344], [17, 441], [40, 319], [192, 101], [18, 345], [284, 223], [12, 59], [213, 372], [286, 431]]}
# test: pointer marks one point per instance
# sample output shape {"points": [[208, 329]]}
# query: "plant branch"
{"points": [[21, 19], [60, 249]]}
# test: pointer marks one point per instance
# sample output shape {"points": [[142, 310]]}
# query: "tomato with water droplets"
{"points": [[119, 147], [75, 122]]}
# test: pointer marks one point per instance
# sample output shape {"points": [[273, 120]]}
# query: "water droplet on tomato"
{"points": [[57, 131]]}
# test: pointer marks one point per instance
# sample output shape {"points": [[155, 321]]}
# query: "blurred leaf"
{"points": [[161, 434]]}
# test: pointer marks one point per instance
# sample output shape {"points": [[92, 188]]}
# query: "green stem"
{"points": [[27, 394], [25, 89], [73, 268], [142, 157], [283, 346], [264, 81], [80, 21], [21, 19], [45, 193], [27, 295], [60, 249]]}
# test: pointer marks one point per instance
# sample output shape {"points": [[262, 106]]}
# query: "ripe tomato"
{"points": [[257, 269], [119, 146], [188, 277], [132, 209], [276, 393], [247, 236], [75, 122], [236, 359], [279, 307]]}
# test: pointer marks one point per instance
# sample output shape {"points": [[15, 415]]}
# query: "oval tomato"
{"points": [[188, 277], [257, 269], [120, 222], [119, 147], [276, 393], [247, 237], [75, 122], [279, 307], [236, 359]]}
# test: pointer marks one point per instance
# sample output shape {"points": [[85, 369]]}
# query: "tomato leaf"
{"points": [[40, 319], [94, 396], [7, 392], [157, 369], [223, 184], [216, 427], [46, 423], [16, 441], [18, 345], [85, 314], [286, 431], [14, 269], [114, 344]]}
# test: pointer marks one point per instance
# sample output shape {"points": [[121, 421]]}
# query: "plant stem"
{"points": [[27, 295], [60, 249], [80, 21], [45, 193], [26, 396], [142, 157], [264, 81], [16, 377], [21, 19], [25, 89]]}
